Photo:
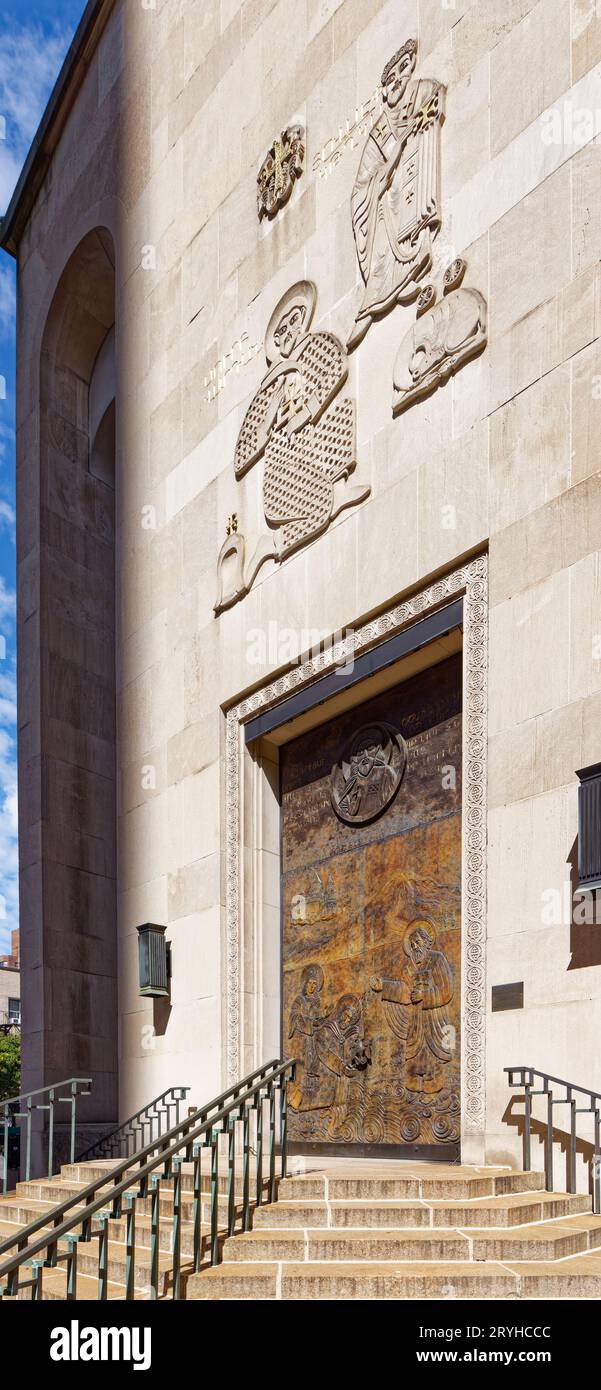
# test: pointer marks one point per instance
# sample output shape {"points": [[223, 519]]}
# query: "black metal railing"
{"points": [[541, 1083], [23, 1108], [113, 1197], [148, 1123]]}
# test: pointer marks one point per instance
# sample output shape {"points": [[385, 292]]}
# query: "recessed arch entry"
{"points": [[67, 701]]}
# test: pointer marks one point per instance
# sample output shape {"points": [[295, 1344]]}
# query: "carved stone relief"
{"points": [[283, 164], [396, 215], [395, 203], [444, 337], [306, 442]]}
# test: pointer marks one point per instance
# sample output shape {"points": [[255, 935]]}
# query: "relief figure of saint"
{"points": [[395, 204], [306, 440], [416, 1010], [334, 1051]]}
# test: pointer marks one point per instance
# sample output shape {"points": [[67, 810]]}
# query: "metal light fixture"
{"points": [[154, 958]]}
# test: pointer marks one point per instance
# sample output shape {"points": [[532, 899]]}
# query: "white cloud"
{"points": [[30, 60], [7, 295], [7, 606], [7, 516]]}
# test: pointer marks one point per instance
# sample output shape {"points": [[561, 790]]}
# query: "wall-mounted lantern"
{"points": [[154, 958], [589, 828]]}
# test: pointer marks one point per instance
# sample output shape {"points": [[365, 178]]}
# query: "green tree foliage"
{"points": [[10, 1065]]}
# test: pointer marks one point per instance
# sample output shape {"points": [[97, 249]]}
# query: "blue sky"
{"points": [[34, 37]]}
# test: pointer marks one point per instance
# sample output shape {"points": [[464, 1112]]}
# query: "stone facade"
{"points": [[496, 468]]}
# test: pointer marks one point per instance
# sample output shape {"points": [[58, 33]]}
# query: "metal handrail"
{"points": [[198, 1131], [111, 1145], [527, 1077], [75, 1085]]}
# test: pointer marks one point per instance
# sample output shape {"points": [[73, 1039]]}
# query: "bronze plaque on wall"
{"points": [[371, 904]]}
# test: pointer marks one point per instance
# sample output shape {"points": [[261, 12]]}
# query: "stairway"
{"points": [[353, 1229], [396, 1230]]}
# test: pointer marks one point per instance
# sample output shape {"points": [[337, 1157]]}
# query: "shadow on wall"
{"points": [[585, 1151], [585, 937]]}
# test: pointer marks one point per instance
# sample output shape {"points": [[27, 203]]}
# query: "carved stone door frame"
{"points": [[243, 873]]}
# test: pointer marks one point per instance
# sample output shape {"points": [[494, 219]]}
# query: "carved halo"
{"points": [[302, 295], [418, 925], [392, 758]]}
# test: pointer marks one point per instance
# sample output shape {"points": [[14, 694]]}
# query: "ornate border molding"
{"points": [[471, 580]]}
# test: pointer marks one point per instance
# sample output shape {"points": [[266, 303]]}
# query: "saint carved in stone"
{"points": [[306, 442], [396, 199]]}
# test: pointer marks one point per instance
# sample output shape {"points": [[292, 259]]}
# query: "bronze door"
{"points": [[371, 929]]}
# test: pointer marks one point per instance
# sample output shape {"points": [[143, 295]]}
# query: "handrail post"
{"points": [[28, 1141], [283, 1124], [73, 1099], [246, 1169], [50, 1132], [272, 1184], [597, 1164], [5, 1155], [549, 1154], [155, 1209], [197, 1207], [527, 1139], [572, 1164], [130, 1244], [103, 1256], [259, 1159], [214, 1197], [177, 1228], [231, 1177]]}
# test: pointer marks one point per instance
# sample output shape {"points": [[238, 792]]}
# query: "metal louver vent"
{"points": [[589, 827]]}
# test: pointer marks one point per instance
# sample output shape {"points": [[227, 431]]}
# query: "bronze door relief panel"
{"points": [[371, 921]]}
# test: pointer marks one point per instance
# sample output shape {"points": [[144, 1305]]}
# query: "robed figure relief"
{"points": [[306, 441], [415, 1005], [330, 1048], [395, 202]]}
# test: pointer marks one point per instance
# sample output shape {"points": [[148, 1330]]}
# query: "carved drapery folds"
{"points": [[396, 215], [395, 203], [305, 440]]}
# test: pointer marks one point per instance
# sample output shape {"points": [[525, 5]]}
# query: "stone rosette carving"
{"points": [[368, 773], [395, 203], [282, 166], [305, 439], [471, 581]]}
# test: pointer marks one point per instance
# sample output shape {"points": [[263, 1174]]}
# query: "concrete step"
{"points": [[81, 1174], [547, 1241], [24, 1210], [511, 1210], [31, 1199], [87, 1261], [578, 1278], [454, 1185], [321, 1245]]}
